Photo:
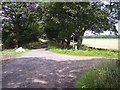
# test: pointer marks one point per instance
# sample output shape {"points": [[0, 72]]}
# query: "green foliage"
{"points": [[21, 23], [57, 22], [25, 22], [33, 45], [62, 19], [103, 75], [52, 44], [86, 51]]}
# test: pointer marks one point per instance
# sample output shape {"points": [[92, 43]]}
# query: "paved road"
{"points": [[43, 53], [42, 69]]}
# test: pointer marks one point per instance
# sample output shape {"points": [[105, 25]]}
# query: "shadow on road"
{"points": [[42, 73]]}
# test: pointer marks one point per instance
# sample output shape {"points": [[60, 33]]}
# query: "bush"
{"points": [[104, 75], [53, 44], [33, 45]]}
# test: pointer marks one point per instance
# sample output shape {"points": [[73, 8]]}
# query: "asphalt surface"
{"points": [[42, 69], [45, 54]]}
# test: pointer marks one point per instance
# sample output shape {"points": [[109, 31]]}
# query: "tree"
{"points": [[62, 19], [103, 19], [56, 27], [20, 23]]}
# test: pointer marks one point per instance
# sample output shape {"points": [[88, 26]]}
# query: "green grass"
{"points": [[86, 51], [27, 47], [13, 52], [103, 75]]}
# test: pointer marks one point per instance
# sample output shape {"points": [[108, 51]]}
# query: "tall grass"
{"points": [[103, 75]]}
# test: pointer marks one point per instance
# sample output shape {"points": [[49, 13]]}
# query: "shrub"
{"points": [[32, 45], [53, 44]]}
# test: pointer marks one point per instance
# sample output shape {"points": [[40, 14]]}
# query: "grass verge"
{"points": [[10, 54], [87, 51], [13, 52], [103, 75]]}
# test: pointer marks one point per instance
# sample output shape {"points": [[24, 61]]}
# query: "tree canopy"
{"points": [[24, 22], [63, 19], [20, 23]]}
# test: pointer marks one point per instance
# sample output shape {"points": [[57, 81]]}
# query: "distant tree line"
{"points": [[102, 36], [25, 22]]}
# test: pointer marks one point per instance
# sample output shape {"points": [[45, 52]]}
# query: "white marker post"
{"points": [[73, 34]]}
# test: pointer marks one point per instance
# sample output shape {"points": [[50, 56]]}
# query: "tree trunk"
{"points": [[16, 35], [62, 43], [16, 42], [80, 39], [68, 43]]}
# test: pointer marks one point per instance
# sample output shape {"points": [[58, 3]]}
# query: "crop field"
{"points": [[102, 43]]}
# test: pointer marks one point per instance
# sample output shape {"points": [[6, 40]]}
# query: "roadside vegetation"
{"points": [[84, 51], [25, 23], [27, 47], [102, 75], [13, 52]]}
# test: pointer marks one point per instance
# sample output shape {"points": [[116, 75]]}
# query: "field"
{"points": [[102, 43]]}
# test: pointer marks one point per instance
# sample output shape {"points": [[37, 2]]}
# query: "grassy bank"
{"points": [[86, 51], [103, 75], [13, 52]]}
